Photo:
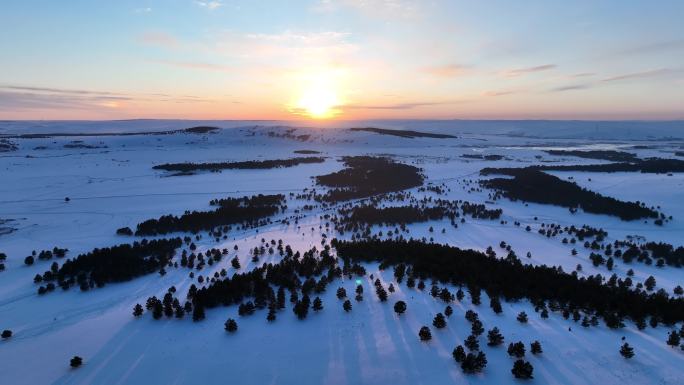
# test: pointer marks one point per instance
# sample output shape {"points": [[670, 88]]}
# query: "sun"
{"points": [[319, 103], [319, 98]]}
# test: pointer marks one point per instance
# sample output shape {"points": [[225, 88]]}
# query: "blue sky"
{"points": [[345, 59]]}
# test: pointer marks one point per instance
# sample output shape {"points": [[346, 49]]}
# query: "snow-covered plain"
{"points": [[112, 185]]}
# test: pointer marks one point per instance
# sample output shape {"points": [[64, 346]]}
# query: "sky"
{"points": [[344, 59]]}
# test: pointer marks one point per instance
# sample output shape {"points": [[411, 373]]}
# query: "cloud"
{"points": [[447, 70], [398, 106], [309, 38], [196, 65], [143, 10], [528, 70], [405, 9], [498, 93], [20, 97], [572, 87], [661, 72], [161, 39], [210, 5], [582, 75], [661, 46]]}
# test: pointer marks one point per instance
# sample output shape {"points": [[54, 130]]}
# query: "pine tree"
{"points": [[459, 354], [626, 350], [76, 361], [137, 310], [474, 363], [400, 307], [522, 317], [317, 304], [472, 343], [495, 304], [494, 337], [347, 306], [448, 311], [476, 328], [341, 293], [235, 262], [522, 369], [544, 313], [424, 334], [536, 348], [6, 334], [516, 349], [198, 313], [271, 314], [673, 339], [439, 322], [231, 326]]}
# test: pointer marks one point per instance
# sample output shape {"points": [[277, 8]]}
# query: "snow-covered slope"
{"points": [[110, 184]]}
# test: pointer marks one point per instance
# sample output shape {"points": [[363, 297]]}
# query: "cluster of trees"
{"points": [[3, 258], [650, 165], [402, 133], [513, 280], [302, 275], [247, 210], [535, 186], [45, 255], [611, 155], [110, 264], [482, 157], [366, 176], [250, 164]]}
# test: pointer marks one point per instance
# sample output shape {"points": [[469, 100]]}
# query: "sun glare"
{"points": [[319, 98]]}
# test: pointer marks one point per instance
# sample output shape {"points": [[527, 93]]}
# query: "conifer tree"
{"points": [[536, 348], [317, 304], [400, 307], [494, 337], [137, 310], [439, 322], [424, 334], [626, 351], [347, 306], [230, 325], [522, 369]]}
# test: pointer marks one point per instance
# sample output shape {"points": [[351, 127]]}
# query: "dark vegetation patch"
{"points": [[250, 211], [290, 133], [679, 153], [651, 165], [513, 280], [245, 165], [402, 133], [191, 130], [482, 157], [392, 215], [7, 146], [535, 186], [365, 176], [307, 152], [83, 146], [612, 155], [200, 130], [350, 218], [110, 264]]}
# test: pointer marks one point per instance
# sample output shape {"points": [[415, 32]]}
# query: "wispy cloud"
{"points": [[660, 46], [142, 10], [499, 93], [196, 65], [528, 70], [157, 38], [571, 87], [660, 72], [399, 106], [21, 97], [447, 70], [210, 5]]}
